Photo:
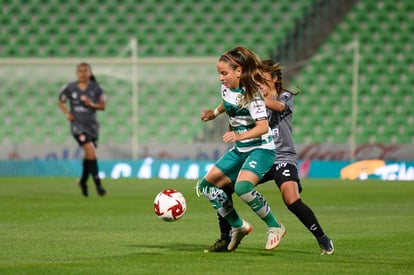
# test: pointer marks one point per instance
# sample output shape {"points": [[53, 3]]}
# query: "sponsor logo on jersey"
{"points": [[286, 173], [281, 165], [253, 164]]}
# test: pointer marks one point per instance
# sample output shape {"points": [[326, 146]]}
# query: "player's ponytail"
{"points": [[275, 70]]}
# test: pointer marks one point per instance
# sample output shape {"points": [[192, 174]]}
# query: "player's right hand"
{"points": [[206, 115], [70, 117]]}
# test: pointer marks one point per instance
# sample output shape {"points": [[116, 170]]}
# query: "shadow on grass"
{"points": [[186, 247], [170, 246]]}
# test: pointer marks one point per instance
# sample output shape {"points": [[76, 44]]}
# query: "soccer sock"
{"points": [[85, 172], [256, 201], [225, 228], [307, 217], [224, 225], [93, 168], [220, 202]]}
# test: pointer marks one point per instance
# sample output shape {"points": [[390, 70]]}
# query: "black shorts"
{"points": [[281, 173], [85, 138]]}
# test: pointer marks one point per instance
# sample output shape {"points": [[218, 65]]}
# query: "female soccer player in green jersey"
{"points": [[284, 170], [253, 152]]}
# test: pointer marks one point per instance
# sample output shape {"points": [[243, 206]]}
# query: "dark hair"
{"points": [[92, 77], [275, 70], [250, 65]]}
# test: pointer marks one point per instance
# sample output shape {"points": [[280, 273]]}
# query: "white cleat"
{"points": [[237, 234], [274, 236]]}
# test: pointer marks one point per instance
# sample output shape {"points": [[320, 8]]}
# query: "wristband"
{"points": [[216, 112]]}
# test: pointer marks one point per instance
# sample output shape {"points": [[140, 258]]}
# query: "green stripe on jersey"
{"points": [[242, 120]]}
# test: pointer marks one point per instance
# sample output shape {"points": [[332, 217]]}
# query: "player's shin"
{"points": [[257, 202], [220, 201]]}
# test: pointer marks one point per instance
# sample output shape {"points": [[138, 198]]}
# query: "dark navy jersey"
{"points": [[85, 117], [281, 125]]}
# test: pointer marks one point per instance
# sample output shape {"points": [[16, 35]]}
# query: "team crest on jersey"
{"points": [[74, 95], [239, 99]]}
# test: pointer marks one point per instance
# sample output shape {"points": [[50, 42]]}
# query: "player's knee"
{"points": [[294, 204], [289, 192], [243, 187], [288, 202]]}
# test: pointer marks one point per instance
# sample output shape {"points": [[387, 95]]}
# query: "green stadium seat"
{"points": [[385, 37]]}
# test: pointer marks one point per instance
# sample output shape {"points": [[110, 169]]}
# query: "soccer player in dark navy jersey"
{"points": [[284, 170], [85, 97]]}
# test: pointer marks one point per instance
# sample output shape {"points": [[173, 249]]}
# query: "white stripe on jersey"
{"points": [[244, 118]]}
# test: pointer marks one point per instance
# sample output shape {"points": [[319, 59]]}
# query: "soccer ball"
{"points": [[169, 205]]}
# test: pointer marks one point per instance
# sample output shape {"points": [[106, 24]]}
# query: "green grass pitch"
{"points": [[47, 227]]}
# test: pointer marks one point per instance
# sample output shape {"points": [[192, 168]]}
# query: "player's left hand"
{"points": [[230, 137], [85, 99]]}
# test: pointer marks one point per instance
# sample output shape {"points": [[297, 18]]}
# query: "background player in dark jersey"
{"points": [[284, 170], [85, 96]]}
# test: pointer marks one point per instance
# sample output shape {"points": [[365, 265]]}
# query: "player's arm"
{"points": [[62, 104], [257, 110], [274, 104], [100, 105], [207, 114], [261, 128]]}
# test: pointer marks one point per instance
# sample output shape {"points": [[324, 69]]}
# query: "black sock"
{"points": [[225, 228], [224, 225], [85, 172], [307, 217], [93, 168]]}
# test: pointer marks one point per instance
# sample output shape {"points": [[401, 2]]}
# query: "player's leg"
{"points": [[209, 186], [220, 245], [84, 178], [224, 173], [290, 189], [92, 163], [81, 139], [255, 167]]}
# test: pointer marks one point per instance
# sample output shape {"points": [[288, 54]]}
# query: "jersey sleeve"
{"points": [[287, 99], [257, 109], [64, 93], [100, 96]]}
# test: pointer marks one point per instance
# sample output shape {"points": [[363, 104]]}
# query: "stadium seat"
{"points": [[382, 81], [68, 29]]}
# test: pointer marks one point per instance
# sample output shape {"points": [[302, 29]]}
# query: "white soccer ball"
{"points": [[169, 205]]}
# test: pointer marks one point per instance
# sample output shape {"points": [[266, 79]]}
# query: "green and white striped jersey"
{"points": [[243, 118]]}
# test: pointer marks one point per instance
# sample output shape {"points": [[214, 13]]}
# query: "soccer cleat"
{"points": [[237, 234], [101, 191], [274, 236], [218, 246], [327, 247], [84, 188]]}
